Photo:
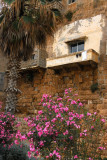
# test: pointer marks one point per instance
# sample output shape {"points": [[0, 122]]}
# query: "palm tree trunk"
{"points": [[12, 91]]}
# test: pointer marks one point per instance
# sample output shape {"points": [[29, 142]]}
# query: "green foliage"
{"points": [[28, 19], [1, 18], [56, 12], [9, 1], [94, 87], [68, 15], [66, 129], [29, 77], [16, 152], [43, 2]]}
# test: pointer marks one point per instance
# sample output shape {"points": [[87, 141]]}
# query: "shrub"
{"points": [[16, 152], [68, 15], [7, 124], [65, 129]]}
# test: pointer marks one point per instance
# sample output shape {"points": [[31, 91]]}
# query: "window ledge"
{"points": [[79, 57]]}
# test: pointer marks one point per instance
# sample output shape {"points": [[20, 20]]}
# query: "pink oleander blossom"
{"points": [[103, 120], [73, 102], [40, 112], [75, 157], [29, 154], [65, 133]]}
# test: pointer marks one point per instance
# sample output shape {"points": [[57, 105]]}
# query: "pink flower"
{"points": [[90, 158], [81, 116], [103, 120], [72, 122], [70, 118], [92, 127], [37, 117], [59, 99], [68, 123], [81, 134], [53, 120], [75, 157], [88, 114], [23, 137], [58, 115], [65, 133], [80, 104], [54, 152], [50, 154], [29, 154], [29, 133], [66, 109], [16, 142], [60, 105], [71, 137], [40, 133], [32, 148], [40, 112], [45, 130], [73, 102], [41, 143], [44, 104], [101, 148], [56, 110]]}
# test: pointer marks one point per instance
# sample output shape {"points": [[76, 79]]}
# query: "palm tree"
{"points": [[24, 24]]}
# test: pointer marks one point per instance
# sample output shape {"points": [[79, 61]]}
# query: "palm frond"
{"points": [[25, 24], [1, 18], [9, 1]]}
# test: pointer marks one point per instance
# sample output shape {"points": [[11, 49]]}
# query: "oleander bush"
{"points": [[65, 129], [7, 130]]}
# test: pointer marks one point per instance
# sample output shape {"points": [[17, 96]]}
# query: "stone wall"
{"points": [[54, 82]]}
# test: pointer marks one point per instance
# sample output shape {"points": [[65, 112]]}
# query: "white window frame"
{"points": [[75, 42]]}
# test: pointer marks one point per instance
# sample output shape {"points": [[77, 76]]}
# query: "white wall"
{"points": [[91, 28]]}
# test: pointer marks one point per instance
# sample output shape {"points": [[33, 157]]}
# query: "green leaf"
{"points": [[1, 18], [43, 2], [15, 25], [9, 1], [56, 12], [28, 19]]}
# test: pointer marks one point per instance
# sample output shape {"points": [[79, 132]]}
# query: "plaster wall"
{"points": [[91, 29]]}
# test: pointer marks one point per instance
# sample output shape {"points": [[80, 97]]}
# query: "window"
{"points": [[71, 1], [76, 46], [1, 81]]}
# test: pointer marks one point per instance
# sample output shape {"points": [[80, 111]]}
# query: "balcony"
{"points": [[82, 58], [38, 60]]}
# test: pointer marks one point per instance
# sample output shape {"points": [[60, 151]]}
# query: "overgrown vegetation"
{"points": [[69, 15], [94, 87], [63, 129]]}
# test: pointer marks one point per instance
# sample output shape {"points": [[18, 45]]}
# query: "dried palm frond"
{"points": [[25, 23]]}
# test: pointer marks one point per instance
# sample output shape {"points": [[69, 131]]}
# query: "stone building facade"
{"points": [[76, 57], [64, 68]]}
